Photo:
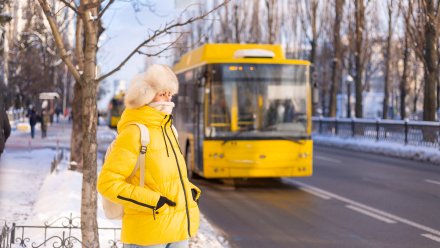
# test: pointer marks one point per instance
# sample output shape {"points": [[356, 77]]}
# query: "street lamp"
{"points": [[348, 80]]}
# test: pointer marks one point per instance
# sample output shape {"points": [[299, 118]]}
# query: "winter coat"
{"points": [[33, 118], [165, 175], [5, 129]]}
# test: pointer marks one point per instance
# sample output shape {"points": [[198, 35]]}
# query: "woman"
{"points": [[164, 213]]}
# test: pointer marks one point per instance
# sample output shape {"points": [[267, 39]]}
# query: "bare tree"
{"points": [[359, 51], [337, 56], [422, 29], [390, 7], [255, 28], [273, 22], [403, 86], [313, 15], [34, 67], [431, 59]]}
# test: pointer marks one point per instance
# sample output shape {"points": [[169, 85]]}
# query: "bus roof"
{"points": [[234, 53]]}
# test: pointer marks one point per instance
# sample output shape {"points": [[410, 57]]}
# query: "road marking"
{"points": [[432, 181], [432, 237], [373, 215], [326, 197], [371, 209], [328, 159]]}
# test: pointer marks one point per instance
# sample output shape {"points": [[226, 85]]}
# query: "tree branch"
{"points": [[163, 50], [72, 7], [105, 8], [58, 39], [158, 33]]}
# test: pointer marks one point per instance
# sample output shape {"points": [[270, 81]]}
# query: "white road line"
{"points": [[432, 181], [373, 215], [328, 159], [326, 197], [371, 209], [432, 237]]}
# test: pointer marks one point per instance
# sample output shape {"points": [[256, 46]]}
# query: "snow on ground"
{"points": [[21, 175], [425, 154], [30, 195]]}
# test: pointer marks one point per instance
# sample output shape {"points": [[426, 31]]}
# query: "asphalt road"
{"points": [[353, 200]]}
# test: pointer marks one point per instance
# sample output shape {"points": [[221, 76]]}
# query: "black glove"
{"points": [[163, 200], [194, 195]]}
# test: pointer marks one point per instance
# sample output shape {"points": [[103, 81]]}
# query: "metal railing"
{"points": [[64, 232], [420, 133]]}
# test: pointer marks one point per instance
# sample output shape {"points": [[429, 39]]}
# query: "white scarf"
{"points": [[166, 107]]}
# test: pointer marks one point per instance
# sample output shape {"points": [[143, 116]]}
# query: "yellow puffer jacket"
{"points": [[165, 175]]}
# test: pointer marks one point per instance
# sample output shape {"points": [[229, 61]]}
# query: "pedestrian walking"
{"points": [[58, 112], [44, 122], [5, 129], [33, 118], [164, 212]]}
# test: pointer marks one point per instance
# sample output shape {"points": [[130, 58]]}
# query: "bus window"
{"points": [[258, 100], [219, 114]]}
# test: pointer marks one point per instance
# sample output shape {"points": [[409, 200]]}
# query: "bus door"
{"points": [[199, 122]]}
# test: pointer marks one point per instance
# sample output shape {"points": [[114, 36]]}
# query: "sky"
{"points": [[125, 29]]}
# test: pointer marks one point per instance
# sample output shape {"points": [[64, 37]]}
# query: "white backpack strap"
{"points": [[145, 140]]}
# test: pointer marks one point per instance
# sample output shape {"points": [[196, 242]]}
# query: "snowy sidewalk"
{"points": [[31, 195]]}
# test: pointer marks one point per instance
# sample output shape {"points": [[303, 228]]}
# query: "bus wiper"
{"points": [[234, 136]]}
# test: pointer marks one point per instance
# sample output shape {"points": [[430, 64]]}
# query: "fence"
{"points": [[64, 232], [420, 133]]}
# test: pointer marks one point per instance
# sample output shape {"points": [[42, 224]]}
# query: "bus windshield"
{"points": [[257, 100]]}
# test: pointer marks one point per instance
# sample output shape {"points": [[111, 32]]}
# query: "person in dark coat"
{"points": [[45, 118], [5, 129], [33, 118]]}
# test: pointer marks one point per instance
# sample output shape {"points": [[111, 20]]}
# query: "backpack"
{"points": [[113, 210]]}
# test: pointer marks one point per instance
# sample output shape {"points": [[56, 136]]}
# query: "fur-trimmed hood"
{"points": [[144, 86]]}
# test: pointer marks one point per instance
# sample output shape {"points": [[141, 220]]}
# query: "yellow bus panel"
{"points": [[257, 158], [224, 53]]}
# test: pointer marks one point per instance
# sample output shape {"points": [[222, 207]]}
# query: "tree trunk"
{"points": [[236, 24], [404, 79], [359, 11], [337, 59], [76, 161], [255, 27], [430, 56], [89, 225], [386, 83]]}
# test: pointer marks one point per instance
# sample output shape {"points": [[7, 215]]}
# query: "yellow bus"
{"points": [[244, 111], [115, 109]]}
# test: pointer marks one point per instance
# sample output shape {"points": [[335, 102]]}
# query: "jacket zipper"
{"points": [[181, 179], [163, 135], [139, 203]]}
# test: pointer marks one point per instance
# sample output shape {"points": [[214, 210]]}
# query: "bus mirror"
{"points": [[200, 94]]}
